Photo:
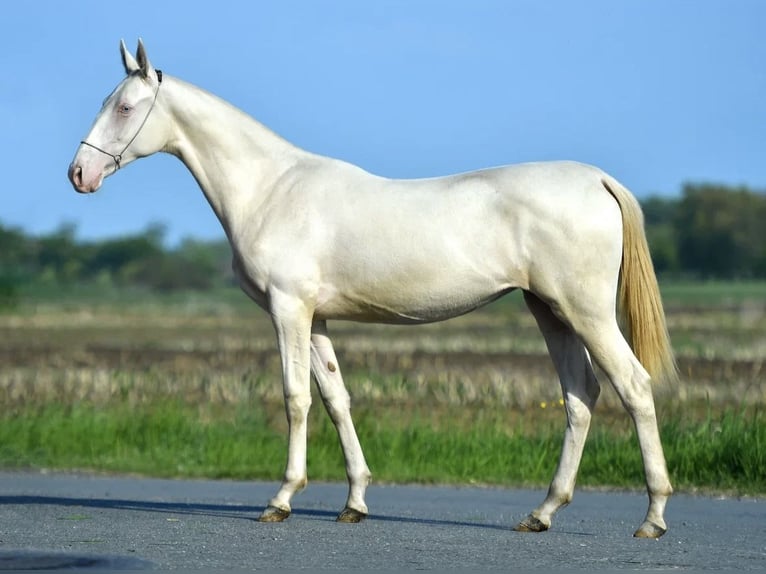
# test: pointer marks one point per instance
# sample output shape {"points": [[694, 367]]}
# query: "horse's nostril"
{"points": [[75, 175]]}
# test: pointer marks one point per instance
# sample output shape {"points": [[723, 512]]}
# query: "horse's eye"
{"points": [[124, 109]]}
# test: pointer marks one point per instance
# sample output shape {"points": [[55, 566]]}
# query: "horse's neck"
{"points": [[234, 158]]}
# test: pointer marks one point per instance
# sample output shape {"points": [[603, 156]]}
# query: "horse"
{"points": [[316, 239]]}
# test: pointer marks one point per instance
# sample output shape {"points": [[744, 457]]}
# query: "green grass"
{"points": [[96, 297], [180, 385], [163, 439], [711, 293], [719, 453]]}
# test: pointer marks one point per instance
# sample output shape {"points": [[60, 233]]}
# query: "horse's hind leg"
{"points": [[580, 390], [633, 385], [326, 371]]}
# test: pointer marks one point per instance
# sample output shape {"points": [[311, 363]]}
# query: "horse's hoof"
{"points": [[351, 516], [650, 530], [273, 514], [531, 524]]}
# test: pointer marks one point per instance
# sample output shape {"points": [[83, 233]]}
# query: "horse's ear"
{"points": [[143, 61], [127, 59]]}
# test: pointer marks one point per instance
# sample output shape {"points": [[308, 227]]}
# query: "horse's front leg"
{"points": [[336, 399], [292, 321]]}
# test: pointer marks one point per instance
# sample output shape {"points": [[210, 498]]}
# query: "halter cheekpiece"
{"points": [[118, 157]]}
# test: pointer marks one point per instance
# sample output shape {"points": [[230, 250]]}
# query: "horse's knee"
{"points": [[297, 405], [579, 412], [338, 405], [637, 398]]}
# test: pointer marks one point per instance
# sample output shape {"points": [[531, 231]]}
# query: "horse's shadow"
{"points": [[243, 512]]}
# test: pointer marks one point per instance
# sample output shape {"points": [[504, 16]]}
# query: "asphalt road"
{"points": [[96, 522]]}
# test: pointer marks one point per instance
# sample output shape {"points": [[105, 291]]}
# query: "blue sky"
{"points": [[656, 92]]}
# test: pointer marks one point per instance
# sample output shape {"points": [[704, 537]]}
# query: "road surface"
{"points": [[99, 522]]}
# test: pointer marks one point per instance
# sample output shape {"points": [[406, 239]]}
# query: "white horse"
{"points": [[316, 238]]}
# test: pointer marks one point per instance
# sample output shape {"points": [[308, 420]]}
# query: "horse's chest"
{"points": [[251, 282]]}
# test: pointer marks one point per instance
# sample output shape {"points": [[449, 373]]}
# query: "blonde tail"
{"points": [[640, 301]]}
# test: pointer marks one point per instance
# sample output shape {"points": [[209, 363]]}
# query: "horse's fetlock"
{"points": [[363, 478], [297, 483]]}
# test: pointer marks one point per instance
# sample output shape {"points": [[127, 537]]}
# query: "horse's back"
{"points": [[421, 250]]}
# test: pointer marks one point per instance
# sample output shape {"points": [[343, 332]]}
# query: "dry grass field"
{"points": [[216, 354], [199, 349]]}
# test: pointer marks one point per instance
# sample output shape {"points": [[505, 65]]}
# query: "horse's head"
{"points": [[126, 128]]}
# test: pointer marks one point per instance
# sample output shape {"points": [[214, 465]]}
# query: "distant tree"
{"points": [[659, 210], [59, 255], [659, 215], [214, 257], [16, 261], [194, 264], [139, 259], [721, 231], [126, 258], [16, 250], [171, 273], [663, 244]]}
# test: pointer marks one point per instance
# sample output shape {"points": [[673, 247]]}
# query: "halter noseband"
{"points": [[118, 157]]}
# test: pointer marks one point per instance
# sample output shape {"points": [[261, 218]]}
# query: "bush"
{"points": [[9, 292]]}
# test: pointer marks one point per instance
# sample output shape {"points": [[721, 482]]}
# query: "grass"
{"points": [[719, 453], [711, 294], [727, 451], [188, 385], [164, 439]]}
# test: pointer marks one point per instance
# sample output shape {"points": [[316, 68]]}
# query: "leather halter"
{"points": [[118, 157]]}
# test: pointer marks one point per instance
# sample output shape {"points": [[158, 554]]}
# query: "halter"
{"points": [[118, 157]]}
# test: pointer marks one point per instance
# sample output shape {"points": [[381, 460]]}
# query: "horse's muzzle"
{"points": [[75, 174]]}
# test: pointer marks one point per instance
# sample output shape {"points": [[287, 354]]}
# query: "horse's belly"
{"points": [[411, 307]]}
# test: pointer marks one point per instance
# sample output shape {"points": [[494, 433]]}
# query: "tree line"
{"points": [[138, 260], [709, 232]]}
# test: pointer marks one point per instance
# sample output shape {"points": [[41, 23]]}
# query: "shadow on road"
{"points": [[22, 560], [216, 510]]}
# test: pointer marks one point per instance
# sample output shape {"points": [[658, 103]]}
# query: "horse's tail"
{"points": [[640, 301]]}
